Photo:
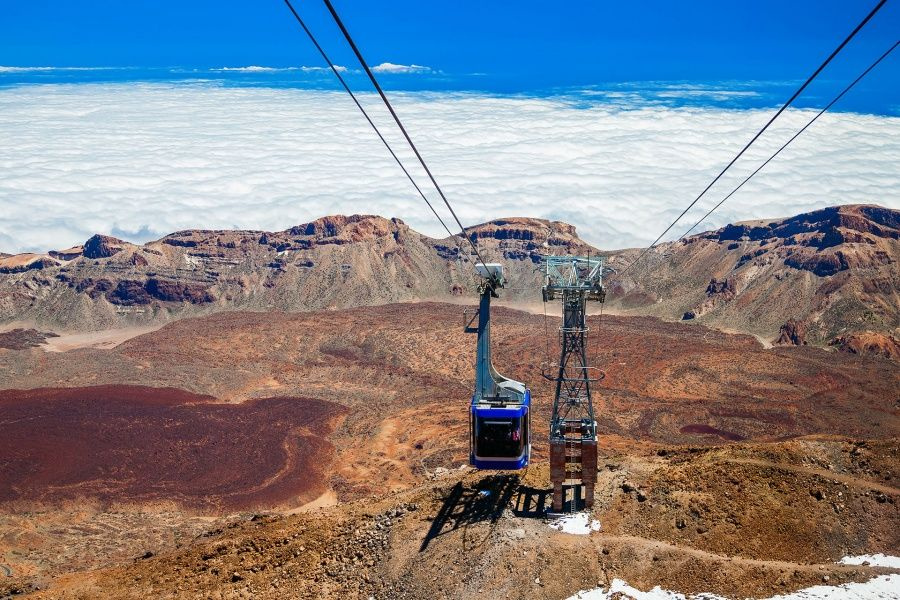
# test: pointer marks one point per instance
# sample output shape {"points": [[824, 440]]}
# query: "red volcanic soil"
{"points": [[141, 444]]}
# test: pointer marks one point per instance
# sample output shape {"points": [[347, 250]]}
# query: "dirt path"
{"points": [[652, 544], [104, 340], [858, 482]]}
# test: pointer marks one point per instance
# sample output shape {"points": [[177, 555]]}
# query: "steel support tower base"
{"points": [[573, 462]]}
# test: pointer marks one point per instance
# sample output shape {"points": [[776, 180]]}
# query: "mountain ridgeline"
{"points": [[824, 277]]}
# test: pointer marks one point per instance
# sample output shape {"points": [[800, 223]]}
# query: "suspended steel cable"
{"points": [[346, 87], [760, 132], [795, 136], [387, 103]]}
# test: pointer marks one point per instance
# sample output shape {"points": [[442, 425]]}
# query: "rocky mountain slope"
{"points": [[810, 278], [830, 276]]}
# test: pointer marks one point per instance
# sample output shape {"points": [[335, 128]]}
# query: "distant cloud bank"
{"points": [[142, 160], [387, 67]]}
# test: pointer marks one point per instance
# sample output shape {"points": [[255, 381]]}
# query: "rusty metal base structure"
{"points": [[572, 462]]}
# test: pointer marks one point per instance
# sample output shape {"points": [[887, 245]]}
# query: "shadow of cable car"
{"points": [[464, 506]]}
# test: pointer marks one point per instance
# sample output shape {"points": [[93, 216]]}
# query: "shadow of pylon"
{"points": [[464, 506]]}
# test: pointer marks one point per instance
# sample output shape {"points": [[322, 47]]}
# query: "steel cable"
{"points": [[794, 137], [387, 103], [346, 87], [761, 131]]}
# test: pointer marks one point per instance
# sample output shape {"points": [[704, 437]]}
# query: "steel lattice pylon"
{"points": [[573, 430]]}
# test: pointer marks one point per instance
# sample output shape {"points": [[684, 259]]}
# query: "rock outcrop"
{"points": [[19, 263], [792, 333], [869, 342], [102, 246], [835, 270]]}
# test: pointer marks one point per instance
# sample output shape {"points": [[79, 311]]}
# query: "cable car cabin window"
{"points": [[500, 437]]}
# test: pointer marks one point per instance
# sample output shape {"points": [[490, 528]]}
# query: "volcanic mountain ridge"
{"points": [[828, 276]]}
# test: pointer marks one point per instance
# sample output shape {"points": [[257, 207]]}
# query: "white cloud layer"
{"points": [[142, 160], [387, 67]]}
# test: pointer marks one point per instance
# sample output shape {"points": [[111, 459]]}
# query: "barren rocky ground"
{"points": [[726, 467], [236, 414]]}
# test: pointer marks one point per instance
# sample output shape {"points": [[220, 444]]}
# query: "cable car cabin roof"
{"points": [[502, 407]]}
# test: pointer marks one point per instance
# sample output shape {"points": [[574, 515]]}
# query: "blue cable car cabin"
{"points": [[499, 419]]}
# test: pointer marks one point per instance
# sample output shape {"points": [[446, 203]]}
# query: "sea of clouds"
{"points": [[142, 160]]}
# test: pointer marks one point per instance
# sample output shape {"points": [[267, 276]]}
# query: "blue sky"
{"points": [[525, 46]]}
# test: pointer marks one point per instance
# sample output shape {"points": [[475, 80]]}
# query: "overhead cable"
{"points": [[346, 87], [795, 136], [761, 131], [387, 103]]}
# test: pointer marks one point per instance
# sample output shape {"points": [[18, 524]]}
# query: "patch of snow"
{"points": [[576, 524], [884, 587], [874, 560]]}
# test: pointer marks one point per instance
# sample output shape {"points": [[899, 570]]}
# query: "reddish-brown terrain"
{"points": [[832, 272], [321, 453], [771, 513], [131, 444]]}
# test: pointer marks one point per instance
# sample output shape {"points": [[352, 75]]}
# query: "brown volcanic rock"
{"points": [[68, 254], [835, 269], [342, 229], [129, 293], [869, 342], [739, 522], [331, 262], [336, 229], [22, 339], [175, 291], [792, 333], [408, 359], [528, 239], [402, 375], [19, 263], [102, 246]]}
